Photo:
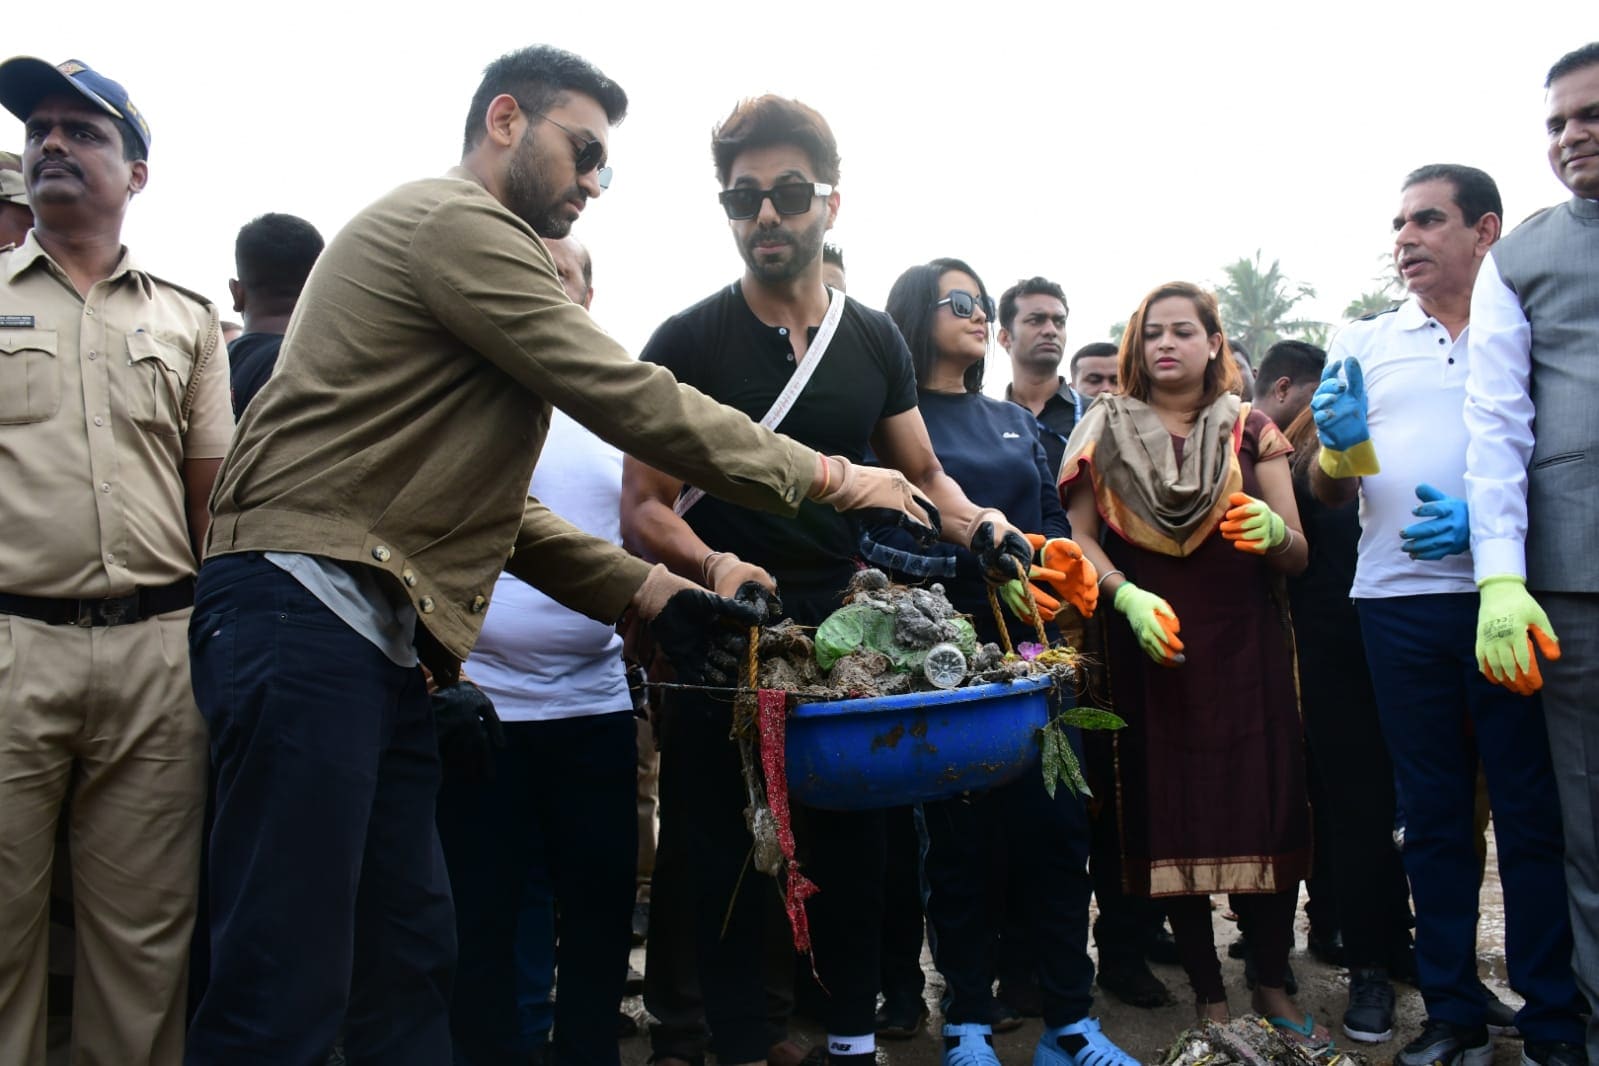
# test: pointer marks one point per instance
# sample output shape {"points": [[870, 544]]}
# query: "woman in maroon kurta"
{"points": [[1193, 493]]}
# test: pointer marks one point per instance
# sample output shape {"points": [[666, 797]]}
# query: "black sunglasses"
{"points": [[791, 199], [964, 303], [590, 154]]}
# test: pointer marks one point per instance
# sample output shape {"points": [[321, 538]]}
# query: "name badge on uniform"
{"points": [[16, 321]]}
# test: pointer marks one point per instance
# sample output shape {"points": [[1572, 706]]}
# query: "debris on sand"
{"points": [[1250, 1041]]}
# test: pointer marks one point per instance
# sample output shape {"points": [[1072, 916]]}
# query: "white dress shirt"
{"points": [[1499, 414], [1415, 398]]}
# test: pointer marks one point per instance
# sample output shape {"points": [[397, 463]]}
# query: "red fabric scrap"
{"points": [[772, 719]]}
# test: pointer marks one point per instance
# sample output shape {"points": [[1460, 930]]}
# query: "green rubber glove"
{"points": [[1508, 621], [1252, 525], [1154, 623]]}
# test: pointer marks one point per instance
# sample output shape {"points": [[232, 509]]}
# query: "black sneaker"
{"points": [[1131, 981], [901, 1022], [1447, 1044], [1545, 1053], [1500, 1016], [1370, 1017]]}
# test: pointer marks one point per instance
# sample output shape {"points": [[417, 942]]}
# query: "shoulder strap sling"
{"points": [[791, 392]]}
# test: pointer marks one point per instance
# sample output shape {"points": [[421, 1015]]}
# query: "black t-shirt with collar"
{"points": [[719, 347]]}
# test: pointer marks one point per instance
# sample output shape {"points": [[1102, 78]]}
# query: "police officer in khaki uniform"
{"points": [[114, 417], [16, 217]]}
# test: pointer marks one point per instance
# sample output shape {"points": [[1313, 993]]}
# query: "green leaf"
{"points": [[1091, 718], [1072, 772], [1051, 742]]}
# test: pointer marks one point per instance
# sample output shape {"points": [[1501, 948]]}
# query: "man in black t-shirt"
{"points": [[778, 165], [273, 255]]}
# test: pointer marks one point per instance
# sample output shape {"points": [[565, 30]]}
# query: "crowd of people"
{"points": [[327, 644]]}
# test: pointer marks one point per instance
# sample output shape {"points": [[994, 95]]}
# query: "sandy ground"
{"points": [[1323, 990]]}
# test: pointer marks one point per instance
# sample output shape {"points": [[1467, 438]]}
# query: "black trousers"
{"points": [[559, 815], [1048, 844], [704, 845], [903, 925]]}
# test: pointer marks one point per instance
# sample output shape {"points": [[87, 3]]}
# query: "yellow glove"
{"points": [[1506, 615]]}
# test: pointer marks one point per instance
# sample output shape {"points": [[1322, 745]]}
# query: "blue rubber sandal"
{"points": [[1305, 1031], [1097, 1049], [973, 1045]]}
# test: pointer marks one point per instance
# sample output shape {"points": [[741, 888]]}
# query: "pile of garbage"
{"points": [[1250, 1041], [890, 639]]}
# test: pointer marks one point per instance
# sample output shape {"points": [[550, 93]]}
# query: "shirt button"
{"points": [[89, 311], [426, 603], [105, 486], [1440, 340], [91, 355], [782, 331], [99, 421], [478, 603], [380, 553], [409, 577], [110, 557]]}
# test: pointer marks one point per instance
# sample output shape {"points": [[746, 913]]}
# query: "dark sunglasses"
{"points": [[964, 303], [793, 199], [590, 154]]}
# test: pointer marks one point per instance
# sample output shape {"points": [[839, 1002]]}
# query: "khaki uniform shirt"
{"points": [[412, 396], [92, 445]]}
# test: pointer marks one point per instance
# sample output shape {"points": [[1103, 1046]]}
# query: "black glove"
{"points": [[923, 536], [705, 636], [1002, 560], [468, 729], [762, 599]]}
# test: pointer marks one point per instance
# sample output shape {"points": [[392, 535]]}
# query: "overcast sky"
{"points": [[1110, 146]]}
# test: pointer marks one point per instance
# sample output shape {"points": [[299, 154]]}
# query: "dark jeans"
{"points": [[329, 900], [1429, 690], [704, 844], [559, 812], [1352, 783], [1048, 844], [903, 980]]}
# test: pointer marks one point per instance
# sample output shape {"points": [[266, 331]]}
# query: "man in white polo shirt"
{"points": [[1390, 416]]}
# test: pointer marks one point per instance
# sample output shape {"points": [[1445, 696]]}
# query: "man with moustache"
{"points": [[1393, 430], [1532, 478], [778, 166], [113, 420], [374, 491]]}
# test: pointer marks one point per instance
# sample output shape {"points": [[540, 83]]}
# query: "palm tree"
{"points": [[1256, 304], [1369, 303]]}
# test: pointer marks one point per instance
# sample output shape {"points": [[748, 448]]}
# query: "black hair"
{"points": [[767, 121], [1475, 192], [832, 253], [133, 150], [1034, 286], [912, 303], [1096, 350], [1571, 62], [1298, 361], [273, 254], [537, 76], [1240, 350]]}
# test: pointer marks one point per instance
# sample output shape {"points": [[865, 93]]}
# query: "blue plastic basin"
{"points": [[888, 751]]}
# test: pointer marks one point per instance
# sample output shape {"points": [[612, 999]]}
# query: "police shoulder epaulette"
{"points": [[203, 301], [1378, 314]]}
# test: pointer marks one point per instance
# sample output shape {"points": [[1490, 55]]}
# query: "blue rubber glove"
{"points": [[1339, 408], [1447, 530]]}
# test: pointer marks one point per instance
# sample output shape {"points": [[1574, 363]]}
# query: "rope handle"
{"points": [[999, 617]]}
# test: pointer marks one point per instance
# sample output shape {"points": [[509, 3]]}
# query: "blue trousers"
{"points": [[1432, 700], [329, 901], [559, 814]]}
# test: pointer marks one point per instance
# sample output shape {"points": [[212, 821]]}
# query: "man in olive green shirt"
{"points": [[374, 490]]}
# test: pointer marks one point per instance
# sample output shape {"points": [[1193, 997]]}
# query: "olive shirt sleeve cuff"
{"points": [[575, 569], [490, 281]]}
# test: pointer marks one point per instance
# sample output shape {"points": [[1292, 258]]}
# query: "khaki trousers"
{"points": [[109, 713]]}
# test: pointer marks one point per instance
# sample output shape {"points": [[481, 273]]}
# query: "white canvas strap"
{"points": [[791, 392]]}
